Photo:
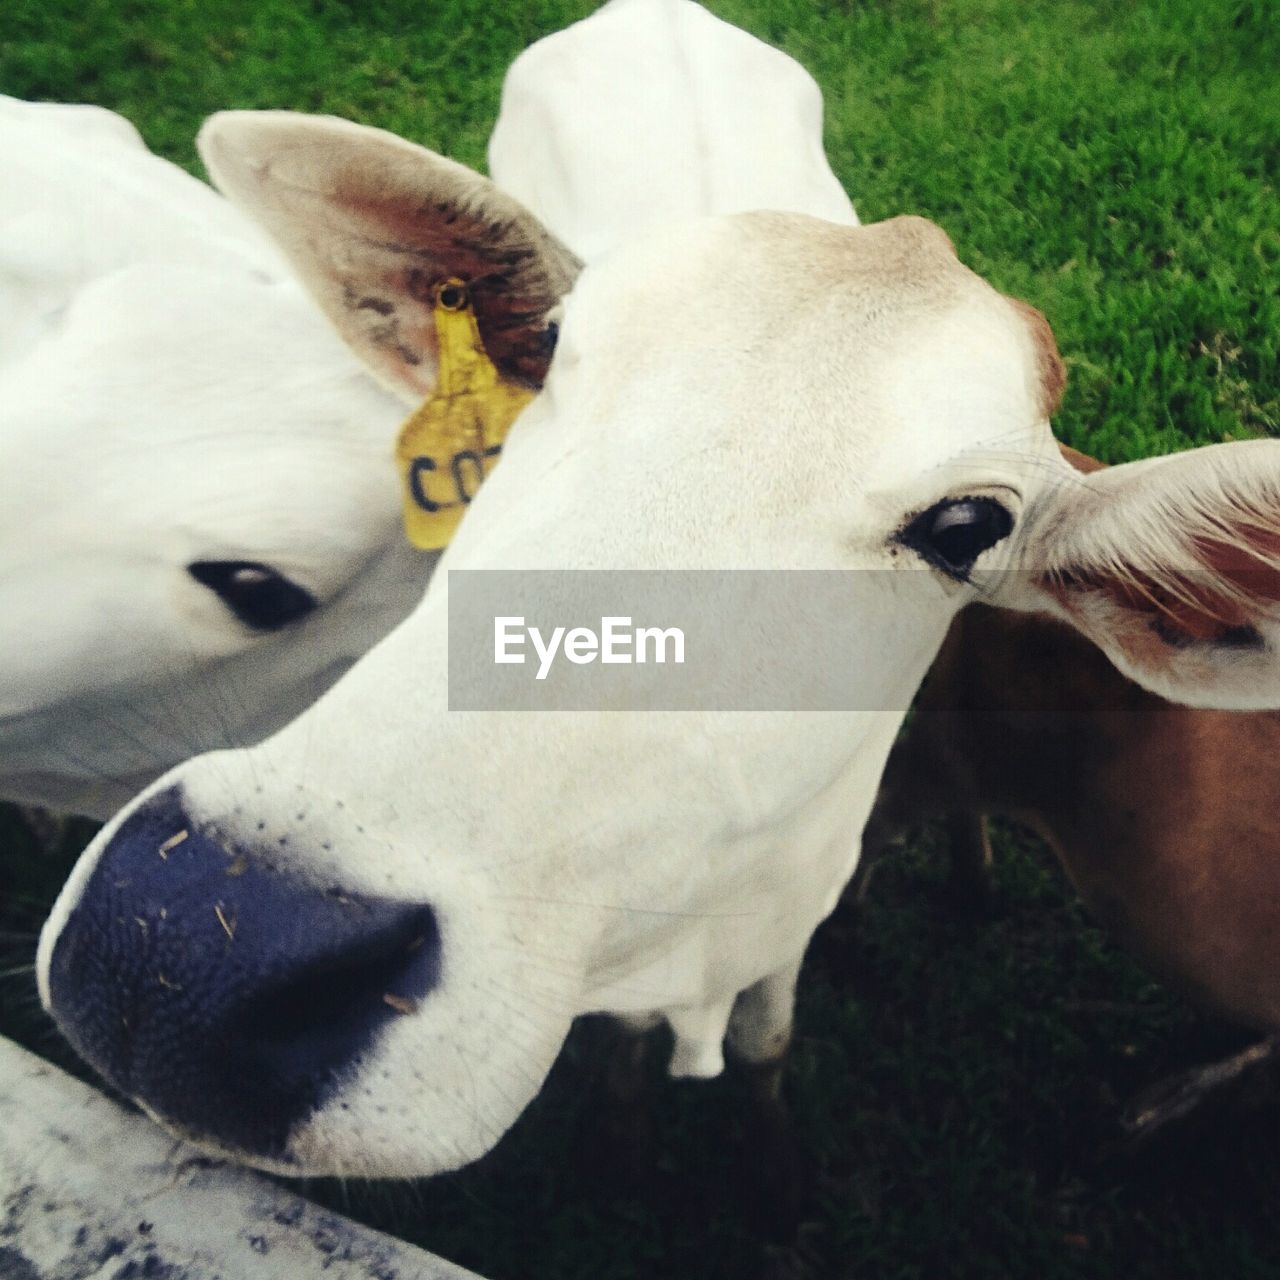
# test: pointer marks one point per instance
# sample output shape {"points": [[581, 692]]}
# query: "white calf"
{"points": [[197, 528], [198, 517], [358, 946]]}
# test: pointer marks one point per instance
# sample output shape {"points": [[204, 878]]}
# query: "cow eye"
{"points": [[953, 534], [259, 596]]}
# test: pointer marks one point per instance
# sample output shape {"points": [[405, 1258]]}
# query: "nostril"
{"points": [[312, 1021], [223, 989]]}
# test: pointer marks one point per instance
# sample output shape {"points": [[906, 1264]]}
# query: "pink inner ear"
{"points": [[1237, 582], [416, 246], [1251, 566]]}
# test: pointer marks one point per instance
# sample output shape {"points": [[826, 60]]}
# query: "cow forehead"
{"points": [[185, 402], [784, 293], [755, 268], [817, 335]]}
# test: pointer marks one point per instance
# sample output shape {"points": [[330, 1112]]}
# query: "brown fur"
{"points": [[1050, 369], [511, 288], [1220, 604], [1162, 816]]}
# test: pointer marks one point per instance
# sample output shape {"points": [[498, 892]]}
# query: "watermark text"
{"points": [[616, 642]]}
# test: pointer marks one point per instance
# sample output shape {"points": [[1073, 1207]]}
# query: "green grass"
{"points": [[1114, 163]]}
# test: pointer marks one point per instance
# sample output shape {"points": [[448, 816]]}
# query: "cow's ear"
{"points": [[372, 224], [1171, 566]]}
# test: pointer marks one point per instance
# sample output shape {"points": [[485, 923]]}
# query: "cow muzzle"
{"points": [[225, 991]]}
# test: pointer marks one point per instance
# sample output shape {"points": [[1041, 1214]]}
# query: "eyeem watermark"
{"points": [[616, 642], [641, 640], [678, 640]]}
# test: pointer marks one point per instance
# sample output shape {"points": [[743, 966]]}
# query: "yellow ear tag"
{"points": [[452, 440]]}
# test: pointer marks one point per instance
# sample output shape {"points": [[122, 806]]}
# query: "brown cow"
{"points": [[1161, 815]]}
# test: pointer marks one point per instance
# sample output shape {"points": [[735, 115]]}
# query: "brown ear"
{"points": [[373, 223]]}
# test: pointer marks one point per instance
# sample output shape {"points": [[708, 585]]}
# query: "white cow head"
{"points": [[357, 946], [198, 525], [199, 519]]}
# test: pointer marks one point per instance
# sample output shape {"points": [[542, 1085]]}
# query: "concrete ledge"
{"points": [[89, 1191]]}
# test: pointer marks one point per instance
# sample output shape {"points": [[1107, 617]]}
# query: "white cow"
{"points": [[198, 515], [198, 532], [357, 947]]}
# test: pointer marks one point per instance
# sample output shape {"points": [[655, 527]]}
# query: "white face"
{"points": [[172, 429], [198, 521], [580, 862], [733, 364], [357, 947]]}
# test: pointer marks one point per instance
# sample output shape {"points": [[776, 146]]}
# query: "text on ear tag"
{"points": [[452, 440]]}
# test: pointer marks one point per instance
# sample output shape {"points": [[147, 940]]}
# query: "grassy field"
{"points": [[1114, 163]]}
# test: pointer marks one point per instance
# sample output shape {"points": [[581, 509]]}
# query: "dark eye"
{"points": [[952, 535], [259, 596]]}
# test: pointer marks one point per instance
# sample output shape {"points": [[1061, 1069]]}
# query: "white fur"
{"points": [[765, 391], [202, 410], [167, 394], [721, 123]]}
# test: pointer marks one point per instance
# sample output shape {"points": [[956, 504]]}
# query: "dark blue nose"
{"points": [[228, 994]]}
